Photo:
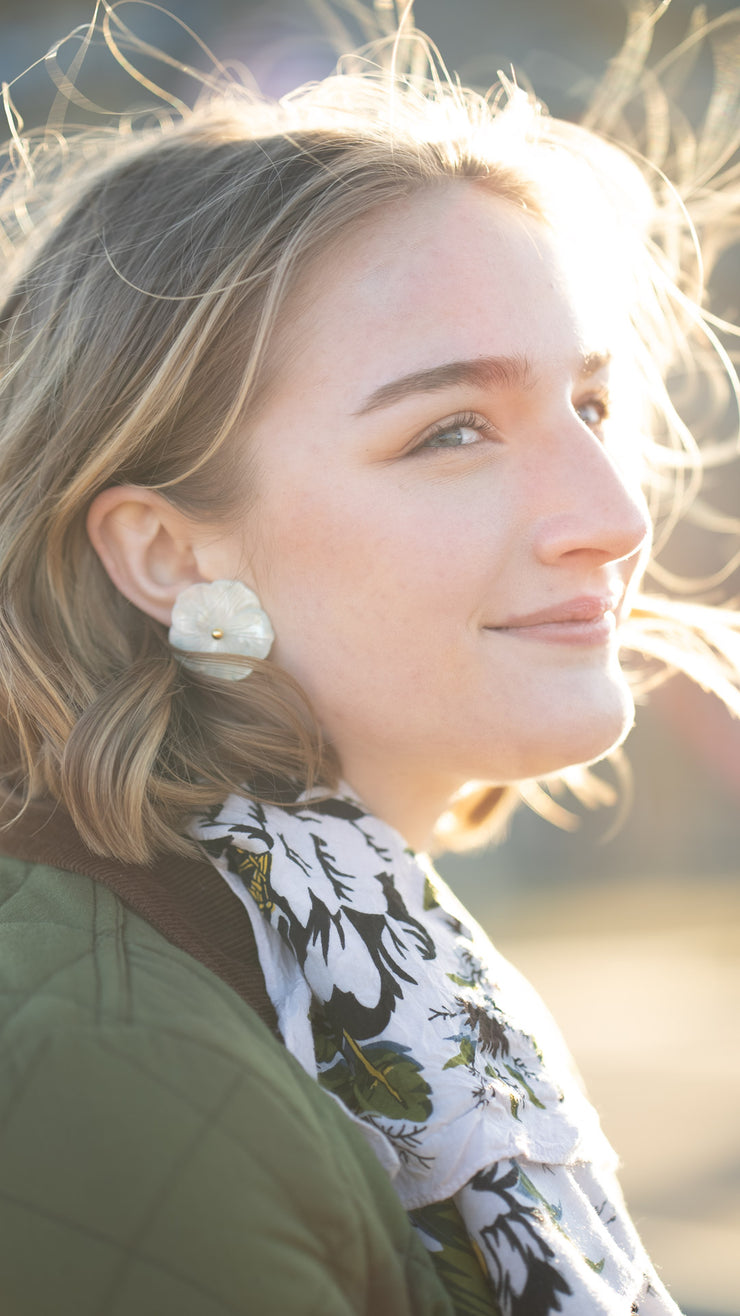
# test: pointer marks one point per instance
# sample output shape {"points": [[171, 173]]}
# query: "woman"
{"points": [[324, 524]]}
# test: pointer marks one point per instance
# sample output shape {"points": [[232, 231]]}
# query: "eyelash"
{"points": [[471, 420], [468, 420]]}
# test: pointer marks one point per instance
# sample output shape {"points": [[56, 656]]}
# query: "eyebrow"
{"points": [[482, 372]]}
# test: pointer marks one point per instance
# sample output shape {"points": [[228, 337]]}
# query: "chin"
{"points": [[598, 736], [579, 733]]}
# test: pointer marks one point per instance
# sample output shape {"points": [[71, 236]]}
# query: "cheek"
{"points": [[357, 577]]}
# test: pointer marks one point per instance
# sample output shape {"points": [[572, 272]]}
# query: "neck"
{"points": [[409, 801]]}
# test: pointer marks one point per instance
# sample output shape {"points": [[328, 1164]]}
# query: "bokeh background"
{"points": [[632, 938]]}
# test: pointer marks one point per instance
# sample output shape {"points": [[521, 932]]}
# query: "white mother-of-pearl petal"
{"points": [[228, 606]]}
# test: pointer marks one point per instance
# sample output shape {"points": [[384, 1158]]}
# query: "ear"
{"points": [[146, 545]]}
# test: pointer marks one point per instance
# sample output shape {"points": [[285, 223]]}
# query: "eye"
{"points": [[463, 431], [594, 411]]}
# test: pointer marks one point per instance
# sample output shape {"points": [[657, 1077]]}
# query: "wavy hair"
{"points": [[148, 265]]}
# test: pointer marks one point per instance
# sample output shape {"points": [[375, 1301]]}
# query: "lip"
{"points": [[588, 619]]}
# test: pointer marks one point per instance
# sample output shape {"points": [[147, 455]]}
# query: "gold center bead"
{"points": [[217, 635]]}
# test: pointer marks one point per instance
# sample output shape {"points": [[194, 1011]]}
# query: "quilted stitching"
{"points": [[255, 1189]]}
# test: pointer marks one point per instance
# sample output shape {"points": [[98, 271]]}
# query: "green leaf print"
{"points": [[465, 1056], [381, 1078], [430, 896], [457, 1259], [515, 1074], [325, 1047], [325, 1043], [461, 982]]}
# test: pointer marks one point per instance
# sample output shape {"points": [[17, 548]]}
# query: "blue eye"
{"points": [[458, 432], [594, 411], [459, 437]]}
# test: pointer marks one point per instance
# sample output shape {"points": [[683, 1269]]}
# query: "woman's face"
{"points": [[445, 530]]}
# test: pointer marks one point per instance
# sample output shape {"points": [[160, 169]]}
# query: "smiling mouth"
{"points": [[586, 620]]}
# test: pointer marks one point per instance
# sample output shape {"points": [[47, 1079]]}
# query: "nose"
{"points": [[592, 511]]}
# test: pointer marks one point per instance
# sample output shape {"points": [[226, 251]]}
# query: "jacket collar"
{"points": [[184, 899]]}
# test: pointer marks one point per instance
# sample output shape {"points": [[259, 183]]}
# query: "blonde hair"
{"points": [[147, 270]]}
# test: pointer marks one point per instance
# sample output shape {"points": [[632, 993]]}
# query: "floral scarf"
{"points": [[395, 1001]]}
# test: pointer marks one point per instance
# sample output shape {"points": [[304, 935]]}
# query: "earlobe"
{"points": [[145, 545]]}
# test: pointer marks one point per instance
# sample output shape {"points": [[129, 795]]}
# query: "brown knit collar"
{"points": [[184, 899]]}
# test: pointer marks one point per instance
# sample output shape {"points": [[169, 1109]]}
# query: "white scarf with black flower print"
{"points": [[395, 1001]]}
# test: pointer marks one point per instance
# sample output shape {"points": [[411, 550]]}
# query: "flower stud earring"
{"points": [[220, 616]]}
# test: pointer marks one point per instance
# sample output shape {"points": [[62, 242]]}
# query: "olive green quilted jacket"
{"points": [[161, 1153]]}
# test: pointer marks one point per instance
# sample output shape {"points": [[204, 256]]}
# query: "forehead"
{"points": [[453, 273]]}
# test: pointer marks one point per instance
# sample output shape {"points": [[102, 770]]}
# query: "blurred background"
{"points": [[632, 938]]}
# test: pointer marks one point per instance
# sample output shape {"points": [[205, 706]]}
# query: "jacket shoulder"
{"points": [[159, 1149]]}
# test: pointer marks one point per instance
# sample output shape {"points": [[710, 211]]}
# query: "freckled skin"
{"points": [[387, 569]]}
